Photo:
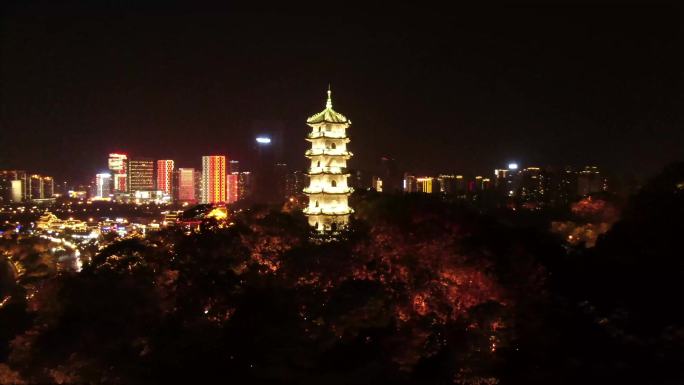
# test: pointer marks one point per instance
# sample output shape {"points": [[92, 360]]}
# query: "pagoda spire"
{"points": [[328, 104]]}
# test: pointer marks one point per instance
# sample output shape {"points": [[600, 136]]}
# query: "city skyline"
{"points": [[177, 85]]}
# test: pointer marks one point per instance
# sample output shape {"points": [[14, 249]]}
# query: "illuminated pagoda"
{"points": [[328, 208]]}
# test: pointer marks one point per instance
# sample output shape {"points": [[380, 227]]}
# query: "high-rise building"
{"points": [[41, 187], [232, 187], [233, 166], [184, 185], [328, 191], [359, 179], [560, 186], [118, 167], [15, 184], [590, 181], [296, 182], [531, 187], [266, 182], [213, 179], [377, 183], [449, 184], [425, 184], [140, 175], [280, 179], [165, 176], [409, 183], [48, 187], [244, 184], [390, 175], [273, 131], [507, 180], [103, 185]]}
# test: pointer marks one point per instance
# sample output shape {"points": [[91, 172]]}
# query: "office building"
{"points": [[590, 181], [184, 185], [390, 175], [103, 185], [425, 184], [280, 181], [232, 187], [409, 183], [213, 185], [245, 188], [13, 186], [118, 168], [165, 176], [140, 175]]}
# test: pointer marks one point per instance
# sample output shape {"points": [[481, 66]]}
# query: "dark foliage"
{"points": [[416, 291]]}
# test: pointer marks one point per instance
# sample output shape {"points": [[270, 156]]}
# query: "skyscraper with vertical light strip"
{"points": [[165, 176], [213, 179]]}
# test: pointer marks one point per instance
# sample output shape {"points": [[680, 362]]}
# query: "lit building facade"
{"points": [[103, 185], [140, 175], [184, 185], [232, 195], [377, 183], [14, 185], [40, 187], [449, 184], [328, 208], [118, 167], [531, 184], [409, 183], [213, 179], [425, 184], [244, 183], [165, 176]]}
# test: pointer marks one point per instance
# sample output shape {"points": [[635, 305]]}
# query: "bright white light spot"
{"points": [[512, 166], [263, 140]]}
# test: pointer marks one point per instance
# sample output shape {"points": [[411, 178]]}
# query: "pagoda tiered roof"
{"points": [[329, 170], [329, 190], [321, 211], [325, 135], [328, 115], [327, 152]]}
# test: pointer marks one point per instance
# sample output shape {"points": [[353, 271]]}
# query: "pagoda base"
{"points": [[323, 223]]}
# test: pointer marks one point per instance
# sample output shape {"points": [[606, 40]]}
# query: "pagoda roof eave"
{"points": [[328, 116]]}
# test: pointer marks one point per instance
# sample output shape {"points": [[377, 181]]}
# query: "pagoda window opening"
{"points": [[332, 146], [318, 164], [316, 203], [333, 183]]}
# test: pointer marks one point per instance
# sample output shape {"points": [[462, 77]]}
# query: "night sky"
{"points": [[463, 90]]}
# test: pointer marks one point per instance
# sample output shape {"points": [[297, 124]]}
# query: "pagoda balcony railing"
{"points": [[327, 190], [329, 135], [328, 170], [331, 152], [324, 211]]}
